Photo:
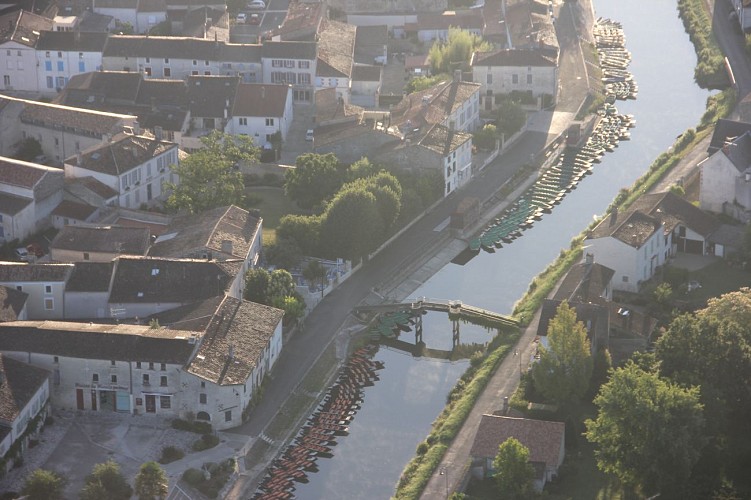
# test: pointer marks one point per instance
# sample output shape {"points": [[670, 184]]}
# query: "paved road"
{"points": [[732, 42]]}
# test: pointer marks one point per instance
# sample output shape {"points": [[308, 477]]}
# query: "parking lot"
{"points": [[271, 17]]}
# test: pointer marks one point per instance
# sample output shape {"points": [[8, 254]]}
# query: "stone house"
{"points": [[725, 182], [260, 110], [19, 33], [43, 283], [98, 244], [63, 54], [293, 63]]}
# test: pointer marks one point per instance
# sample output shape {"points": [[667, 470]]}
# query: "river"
{"points": [[397, 411]]}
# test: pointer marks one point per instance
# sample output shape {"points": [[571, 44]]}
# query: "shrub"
{"points": [[205, 442], [197, 427], [170, 454], [193, 477]]}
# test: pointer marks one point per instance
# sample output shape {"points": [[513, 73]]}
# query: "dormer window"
{"points": [[155, 271], [139, 295], [166, 60]]}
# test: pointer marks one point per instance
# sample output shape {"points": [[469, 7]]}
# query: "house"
{"points": [[204, 22], [28, 195], [349, 136], [636, 242], [366, 85], [89, 191], [222, 234], [98, 244], [137, 167], [442, 149], [725, 177], [371, 45], [43, 283], [505, 71], [87, 291], [292, 63], [63, 54], [431, 26], [302, 22], [73, 213], [19, 33], [336, 49], [142, 15], [525, 24], [12, 304], [453, 104], [367, 8], [24, 393], [418, 65], [210, 101], [545, 441], [260, 111], [330, 110], [742, 10], [60, 130]]}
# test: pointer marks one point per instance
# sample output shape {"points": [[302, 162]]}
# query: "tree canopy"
{"points": [[151, 482], [277, 289], [315, 179], [648, 430], [108, 479], [511, 117], [513, 472], [351, 226], [564, 371], [456, 52], [44, 485], [209, 177]]}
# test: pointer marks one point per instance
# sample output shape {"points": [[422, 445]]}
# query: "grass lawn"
{"points": [[717, 279], [273, 205]]}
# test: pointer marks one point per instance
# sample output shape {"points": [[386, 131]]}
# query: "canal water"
{"points": [[397, 411]]}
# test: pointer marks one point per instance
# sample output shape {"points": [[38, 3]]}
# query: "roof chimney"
{"points": [[158, 132], [136, 128], [457, 75]]}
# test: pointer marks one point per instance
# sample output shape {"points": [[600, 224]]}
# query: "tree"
{"points": [[256, 285], [281, 284], [316, 274], [485, 137], [511, 117], [209, 177], [361, 169], [648, 430], [565, 369], [304, 230], [513, 472], [28, 149], [44, 485], [108, 477], [285, 253], [293, 307], [424, 82], [351, 225], [315, 179], [457, 51], [151, 482]]}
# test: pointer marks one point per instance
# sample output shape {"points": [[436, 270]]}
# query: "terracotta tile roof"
{"points": [[329, 108], [584, 282], [302, 20], [289, 50], [23, 174], [594, 316], [442, 140], [12, 272], [124, 153], [118, 85], [11, 204], [367, 73], [194, 317], [234, 341], [544, 439], [106, 239], [336, 49], [146, 279], [370, 42], [92, 184], [96, 341], [209, 96], [512, 57], [208, 230], [23, 27], [12, 302], [90, 277], [81, 121], [432, 105], [18, 385], [73, 41], [74, 210], [161, 47], [261, 99]]}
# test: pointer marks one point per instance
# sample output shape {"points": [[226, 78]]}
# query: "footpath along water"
{"points": [[398, 409]]}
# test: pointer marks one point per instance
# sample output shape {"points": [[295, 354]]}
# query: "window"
{"points": [[490, 78], [529, 79], [166, 60], [289, 64], [55, 359], [207, 73], [206, 63], [60, 55], [203, 385], [48, 65], [113, 379], [47, 54], [19, 288], [49, 304], [228, 416], [146, 379], [151, 366], [303, 64], [112, 362], [148, 60], [95, 377], [50, 82], [269, 122], [167, 73], [303, 79], [194, 73], [60, 65], [147, 71], [86, 256], [81, 67], [163, 367], [138, 365], [165, 402], [625, 278], [514, 79], [275, 63], [202, 398], [163, 381], [243, 121], [47, 289], [195, 63], [80, 55]]}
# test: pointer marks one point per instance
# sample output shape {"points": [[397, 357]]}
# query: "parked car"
{"points": [[241, 18], [257, 5], [309, 135], [22, 254], [254, 19]]}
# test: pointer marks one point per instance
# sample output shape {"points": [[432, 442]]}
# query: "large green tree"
{"points": [[352, 225], [564, 371], [511, 117], [209, 177], [513, 472], [316, 274], [106, 477], [256, 285], [44, 485], [151, 482], [456, 52], [315, 179], [648, 431], [304, 230]]}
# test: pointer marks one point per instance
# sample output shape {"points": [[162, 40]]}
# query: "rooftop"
{"points": [[544, 439], [19, 384], [11, 204], [90, 277], [23, 27], [209, 96], [260, 99], [336, 48], [432, 105], [289, 50], [124, 153], [12, 302], [14, 272], [71, 41], [302, 21], [74, 210], [443, 140], [584, 282], [22, 173], [107, 239], [512, 57]]}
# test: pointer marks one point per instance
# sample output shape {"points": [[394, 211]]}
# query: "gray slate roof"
{"points": [[12, 302], [124, 153], [90, 277], [74, 41], [19, 384], [13, 272], [107, 239]]}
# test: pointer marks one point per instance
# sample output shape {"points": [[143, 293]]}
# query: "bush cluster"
{"points": [[191, 426]]}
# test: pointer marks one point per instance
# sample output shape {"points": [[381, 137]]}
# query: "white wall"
{"points": [[544, 80], [86, 305], [53, 77], [18, 67], [42, 304], [717, 182]]}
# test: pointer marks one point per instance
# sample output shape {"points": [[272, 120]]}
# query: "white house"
{"points": [[366, 85], [261, 110], [43, 283], [63, 54], [434, 26], [505, 71], [87, 291], [545, 441], [24, 393], [336, 49], [18, 39], [28, 195], [292, 63], [725, 185], [135, 166]]}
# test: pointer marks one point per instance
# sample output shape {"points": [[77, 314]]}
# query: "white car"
{"points": [[22, 254], [309, 135], [242, 17], [257, 4]]}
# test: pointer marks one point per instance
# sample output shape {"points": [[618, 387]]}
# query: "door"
{"points": [[93, 400], [150, 403], [79, 399]]}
